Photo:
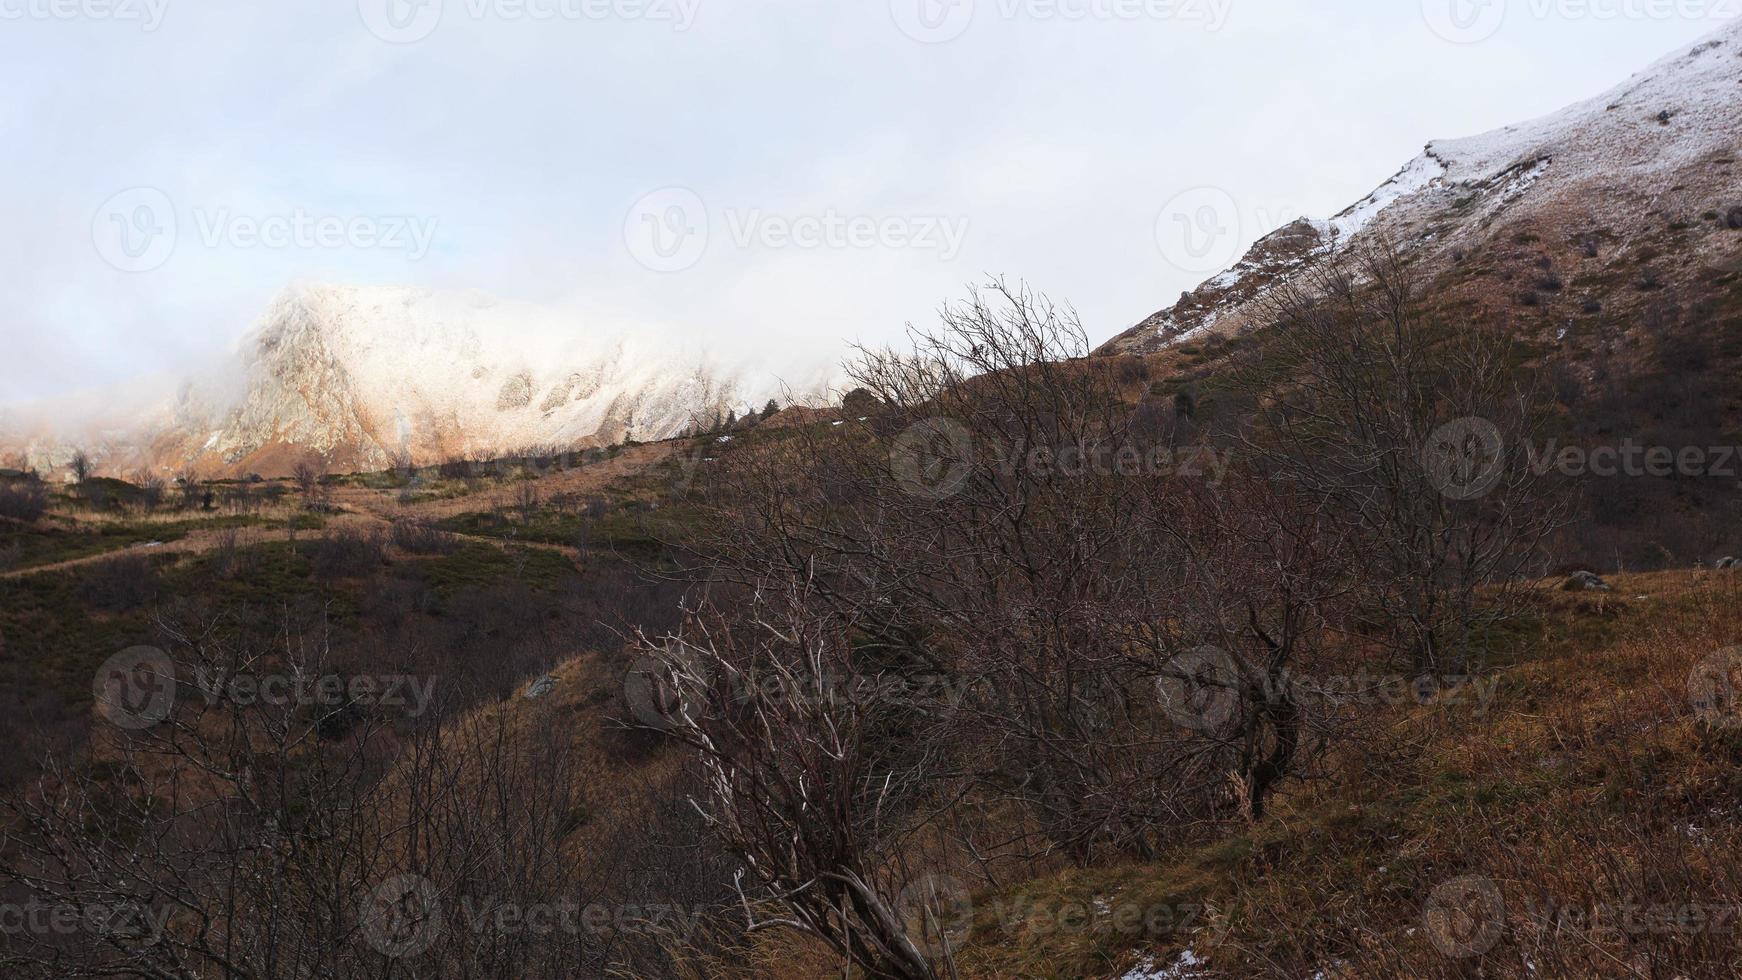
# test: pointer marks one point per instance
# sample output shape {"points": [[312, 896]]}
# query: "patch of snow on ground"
{"points": [[1523, 181], [1183, 967], [1225, 280], [1418, 175]]}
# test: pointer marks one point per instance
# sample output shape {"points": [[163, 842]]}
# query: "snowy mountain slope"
{"points": [[365, 377], [1661, 145]]}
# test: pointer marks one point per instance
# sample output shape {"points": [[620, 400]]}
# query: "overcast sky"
{"points": [[771, 177]]}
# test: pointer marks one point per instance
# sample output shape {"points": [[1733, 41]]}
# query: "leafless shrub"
{"points": [[119, 584], [423, 538], [309, 477], [228, 559], [24, 499], [1412, 434], [151, 487], [346, 552], [276, 837], [1108, 641], [526, 499], [805, 791]]}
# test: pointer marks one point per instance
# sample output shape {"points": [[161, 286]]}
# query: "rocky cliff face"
{"points": [[366, 377], [1587, 184]]}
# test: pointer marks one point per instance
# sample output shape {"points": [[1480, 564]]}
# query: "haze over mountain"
{"points": [[365, 377]]}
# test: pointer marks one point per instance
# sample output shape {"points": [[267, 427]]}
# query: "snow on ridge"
{"points": [[391, 370], [1418, 175], [1696, 86]]}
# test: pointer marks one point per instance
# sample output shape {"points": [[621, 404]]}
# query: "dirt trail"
{"points": [[377, 509]]}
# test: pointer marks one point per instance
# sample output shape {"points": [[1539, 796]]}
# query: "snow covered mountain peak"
{"points": [[1664, 141], [367, 376]]}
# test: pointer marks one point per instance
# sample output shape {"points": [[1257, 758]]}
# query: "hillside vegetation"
{"points": [[1256, 659]]}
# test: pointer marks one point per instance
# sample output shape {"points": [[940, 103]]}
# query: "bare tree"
{"points": [[237, 830], [309, 476], [151, 488], [188, 480], [80, 464], [801, 780], [1412, 431]]}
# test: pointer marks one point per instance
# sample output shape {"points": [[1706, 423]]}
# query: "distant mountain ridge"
{"points": [[1659, 149], [365, 377]]}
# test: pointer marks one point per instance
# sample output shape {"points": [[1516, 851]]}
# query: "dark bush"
{"points": [[423, 538], [119, 584], [346, 553], [1133, 370], [23, 500], [1733, 220]]}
